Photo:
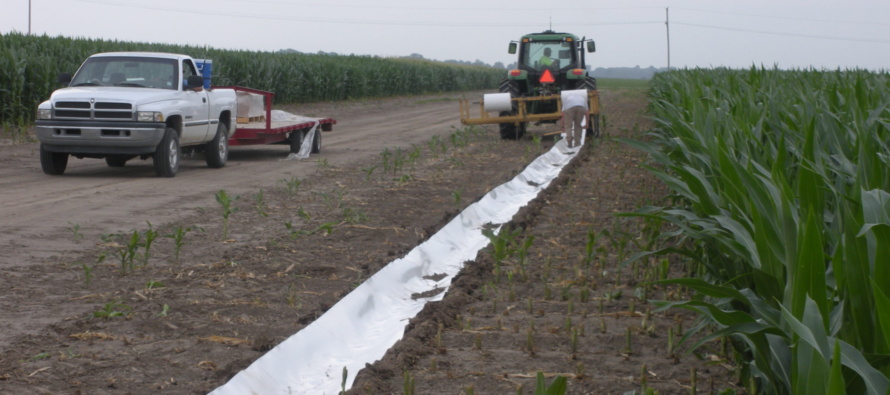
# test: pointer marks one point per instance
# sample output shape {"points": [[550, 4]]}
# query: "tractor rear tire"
{"points": [[593, 123], [509, 131]]}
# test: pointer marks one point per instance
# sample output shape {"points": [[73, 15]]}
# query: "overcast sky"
{"points": [[703, 33]]}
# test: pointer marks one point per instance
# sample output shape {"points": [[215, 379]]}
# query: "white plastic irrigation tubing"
{"points": [[361, 327]]}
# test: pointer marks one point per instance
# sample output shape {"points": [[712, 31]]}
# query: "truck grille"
{"points": [[97, 110]]}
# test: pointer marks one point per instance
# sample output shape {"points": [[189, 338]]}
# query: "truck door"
{"points": [[196, 109]]}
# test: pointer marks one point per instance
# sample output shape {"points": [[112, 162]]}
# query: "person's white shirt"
{"points": [[574, 98]]}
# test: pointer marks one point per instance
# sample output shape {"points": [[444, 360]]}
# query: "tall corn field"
{"points": [[782, 198], [30, 66]]}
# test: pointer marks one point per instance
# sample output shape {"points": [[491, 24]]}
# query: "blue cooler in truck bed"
{"points": [[205, 67]]}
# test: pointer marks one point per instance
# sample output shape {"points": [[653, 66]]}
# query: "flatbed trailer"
{"points": [[269, 131]]}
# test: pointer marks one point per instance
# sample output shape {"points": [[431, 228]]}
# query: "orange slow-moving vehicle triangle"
{"points": [[547, 77]]}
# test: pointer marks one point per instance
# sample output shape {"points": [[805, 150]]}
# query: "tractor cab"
{"points": [[549, 62]]}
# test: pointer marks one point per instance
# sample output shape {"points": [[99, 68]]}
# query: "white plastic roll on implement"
{"points": [[361, 327], [497, 102]]}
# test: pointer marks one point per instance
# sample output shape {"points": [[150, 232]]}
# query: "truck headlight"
{"points": [[44, 113], [149, 116]]}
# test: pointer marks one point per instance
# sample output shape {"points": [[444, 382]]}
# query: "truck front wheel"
{"points": [[166, 157], [53, 163], [216, 153]]}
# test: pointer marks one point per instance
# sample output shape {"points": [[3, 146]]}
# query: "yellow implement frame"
{"points": [[522, 115]]}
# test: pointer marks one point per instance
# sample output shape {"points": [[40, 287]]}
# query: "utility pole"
{"points": [[667, 25], [29, 17]]}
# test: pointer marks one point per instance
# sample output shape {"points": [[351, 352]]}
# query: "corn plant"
{"points": [[781, 207], [557, 386], [260, 203], [128, 253], [112, 309], [178, 237], [30, 65], [226, 201], [75, 232], [292, 185], [150, 235]]}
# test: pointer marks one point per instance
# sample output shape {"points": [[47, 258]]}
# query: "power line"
{"points": [[346, 21], [784, 34], [783, 17]]}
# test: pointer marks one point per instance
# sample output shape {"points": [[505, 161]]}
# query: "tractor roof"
{"points": [[549, 35]]}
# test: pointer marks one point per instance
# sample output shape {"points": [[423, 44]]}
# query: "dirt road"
{"points": [[45, 217], [39, 212]]}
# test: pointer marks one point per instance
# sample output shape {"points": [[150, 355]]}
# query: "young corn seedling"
{"points": [[75, 232], [260, 203], [385, 155], [150, 235], [178, 237], [368, 171], [88, 273], [127, 254], [292, 185], [226, 202], [343, 381], [112, 309], [557, 387], [456, 197], [408, 383]]}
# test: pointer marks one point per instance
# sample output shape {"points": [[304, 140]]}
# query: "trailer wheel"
{"points": [[296, 141], [53, 163], [166, 157], [316, 142], [216, 153]]}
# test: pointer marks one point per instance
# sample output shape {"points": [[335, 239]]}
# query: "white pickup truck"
{"points": [[124, 105]]}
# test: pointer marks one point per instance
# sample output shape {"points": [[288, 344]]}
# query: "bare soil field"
{"points": [[91, 307]]}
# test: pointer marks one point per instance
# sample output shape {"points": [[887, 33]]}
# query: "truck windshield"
{"points": [[547, 54], [127, 71]]}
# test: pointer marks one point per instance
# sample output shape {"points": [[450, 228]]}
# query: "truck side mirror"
{"points": [[194, 81], [64, 78], [512, 49], [591, 46]]}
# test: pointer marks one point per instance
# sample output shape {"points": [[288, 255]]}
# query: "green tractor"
{"points": [[548, 63]]}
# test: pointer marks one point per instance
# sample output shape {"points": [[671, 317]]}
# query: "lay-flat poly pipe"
{"points": [[362, 326]]}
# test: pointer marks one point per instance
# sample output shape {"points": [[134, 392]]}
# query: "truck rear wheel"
{"points": [[216, 152], [53, 163], [166, 157]]}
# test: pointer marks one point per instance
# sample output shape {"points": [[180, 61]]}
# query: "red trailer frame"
{"points": [[268, 131]]}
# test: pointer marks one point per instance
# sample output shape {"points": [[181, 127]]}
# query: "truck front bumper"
{"points": [[100, 138]]}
